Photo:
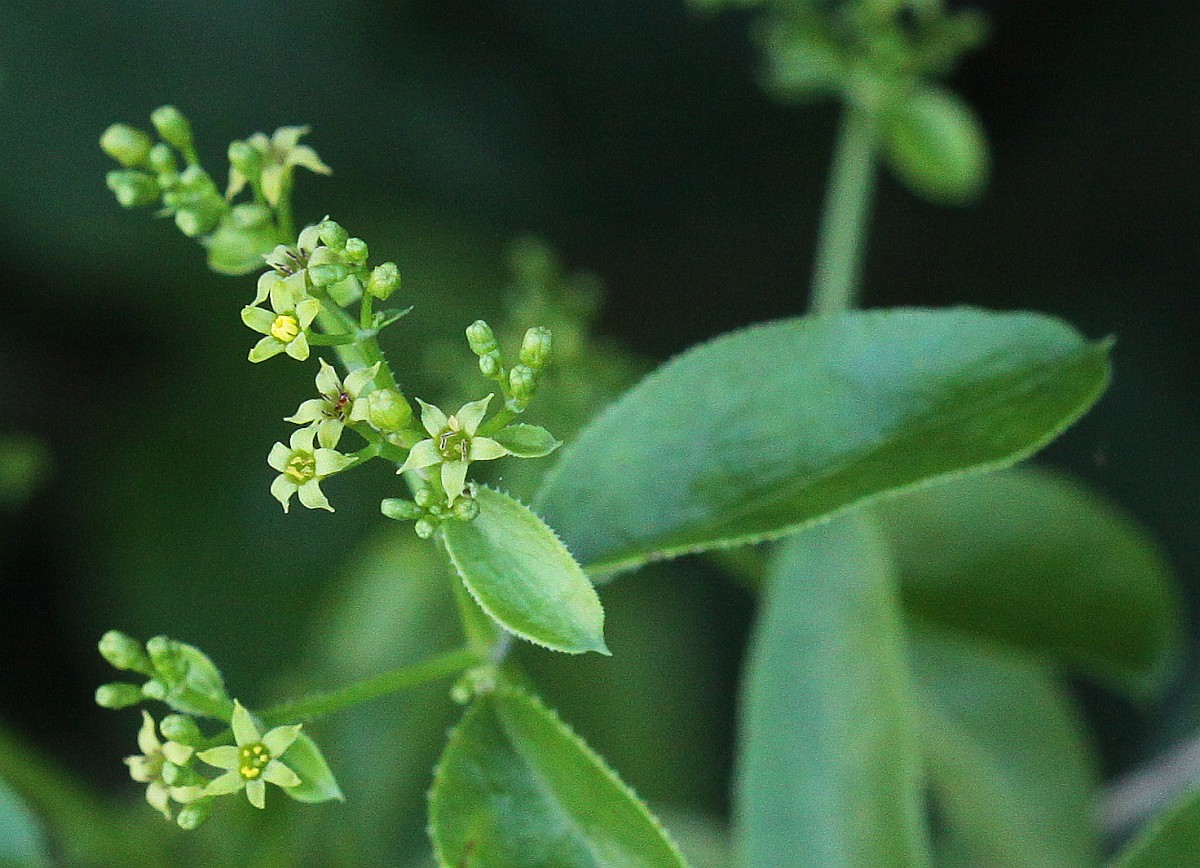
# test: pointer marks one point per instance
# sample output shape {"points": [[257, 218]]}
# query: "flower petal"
{"points": [[256, 792], [183, 795], [454, 477], [302, 440], [178, 753], [236, 182], [258, 319], [223, 757], [310, 237], [330, 461], [147, 739], [279, 455], [280, 775], [297, 348], [230, 782], [424, 454], [329, 432], [282, 297], [307, 310], [312, 496], [356, 380], [278, 740], [265, 349], [303, 155], [159, 798], [327, 380], [244, 730], [470, 415], [266, 280], [282, 490], [310, 411], [286, 138], [485, 449], [140, 769], [272, 183], [432, 418]]}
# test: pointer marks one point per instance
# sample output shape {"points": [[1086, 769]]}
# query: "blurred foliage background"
{"points": [[635, 139]]}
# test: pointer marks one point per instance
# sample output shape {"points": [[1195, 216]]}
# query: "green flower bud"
{"points": [[425, 528], [126, 145], [246, 158], [133, 189], [465, 508], [154, 689], [424, 497], [327, 275], [125, 652], [399, 509], [163, 162], [195, 221], [193, 814], [118, 695], [481, 339], [384, 280], [182, 729], [355, 252], [172, 774], [250, 215], [197, 182], [387, 410], [522, 380], [535, 348], [332, 234], [172, 126], [489, 365]]}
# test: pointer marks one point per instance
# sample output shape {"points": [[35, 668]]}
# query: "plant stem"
{"points": [[840, 243], [321, 704]]}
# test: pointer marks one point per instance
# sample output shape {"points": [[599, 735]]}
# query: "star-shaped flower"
{"points": [[286, 329], [339, 403], [301, 469], [453, 444], [254, 761], [148, 767], [280, 153]]}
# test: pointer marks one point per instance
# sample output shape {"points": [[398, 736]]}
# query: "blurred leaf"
{"points": [[1171, 842], [21, 840], [317, 783], [1005, 755], [829, 768], [935, 144], [517, 787], [768, 429], [23, 464], [521, 575], [1037, 560]]}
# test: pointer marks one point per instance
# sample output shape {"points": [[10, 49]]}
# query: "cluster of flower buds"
{"points": [[519, 383], [179, 764], [429, 510]]}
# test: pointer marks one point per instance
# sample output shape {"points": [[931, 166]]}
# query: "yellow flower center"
{"points": [[252, 759], [301, 467], [285, 328]]}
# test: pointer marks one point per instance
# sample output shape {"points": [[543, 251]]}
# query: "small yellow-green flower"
{"points": [[254, 761], [339, 403], [279, 154], [453, 444], [148, 768], [301, 469], [286, 325]]}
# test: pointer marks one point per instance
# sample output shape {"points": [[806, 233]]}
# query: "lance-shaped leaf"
{"points": [[828, 771], [1005, 755], [772, 428], [317, 783], [1036, 560], [524, 577], [516, 786]]}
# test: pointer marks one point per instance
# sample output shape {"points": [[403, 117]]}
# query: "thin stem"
{"points": [[284, 209], [491, 426], [321, 704], [365, 316], [840, 243]]}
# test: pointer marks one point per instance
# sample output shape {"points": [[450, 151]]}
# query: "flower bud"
{"points": [[249, 215], [355, 252], [195, 221], [172, 126], [327, 275], [465, 508], [423, 497], [182, 729], [387, 410], [424, 528], [481, 339], [118, 695], [246, 158], [332, 234], [384, 280], [125, 144], [535, 348], [124, 652], [162, 161], [489, 365], [133, 189], [154, 689], [522, 380], [193, 814], [399, 509]]}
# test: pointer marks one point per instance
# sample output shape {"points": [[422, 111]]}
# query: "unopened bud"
{"points": [[133, 189], [384, 280], [193, 814], [332, 234], [387, 410], [424, 528], [154, 689], [162, 160], [522, 380], [489, 365], [465, 508], [246, 158], [481, 339], [193, 222], [399, 509], [423, 497], [250, 215], [355, 252], [125, 144], [535, 348], [118, 695], [172, 126], [124, 652], [327, 275], [182, 729]]}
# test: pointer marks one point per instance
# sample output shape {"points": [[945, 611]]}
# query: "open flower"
{"points": [[301, 469], [286, 328], [254, 761], [453, 444], [339, 403], [148, 767], [278, 154]]}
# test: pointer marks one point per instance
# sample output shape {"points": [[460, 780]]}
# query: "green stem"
{"points": [[491, 426], [366, 352], [433, 669], [840, 243], [365, 316], [283, 210]]}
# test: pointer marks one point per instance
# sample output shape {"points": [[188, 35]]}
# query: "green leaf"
{"points": [[526, 441], [829, 762], [1036, 560], [516, 787], [775, 427], [520, 574], [935, 144], [317, 783], [1172, 841], [1005, 755], [21, 840]]}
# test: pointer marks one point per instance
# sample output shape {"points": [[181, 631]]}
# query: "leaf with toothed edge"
{"points": [[516, 786], [522, 575]]}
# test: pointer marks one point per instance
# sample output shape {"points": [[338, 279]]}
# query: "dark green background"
{"points": [[634, 137]]}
